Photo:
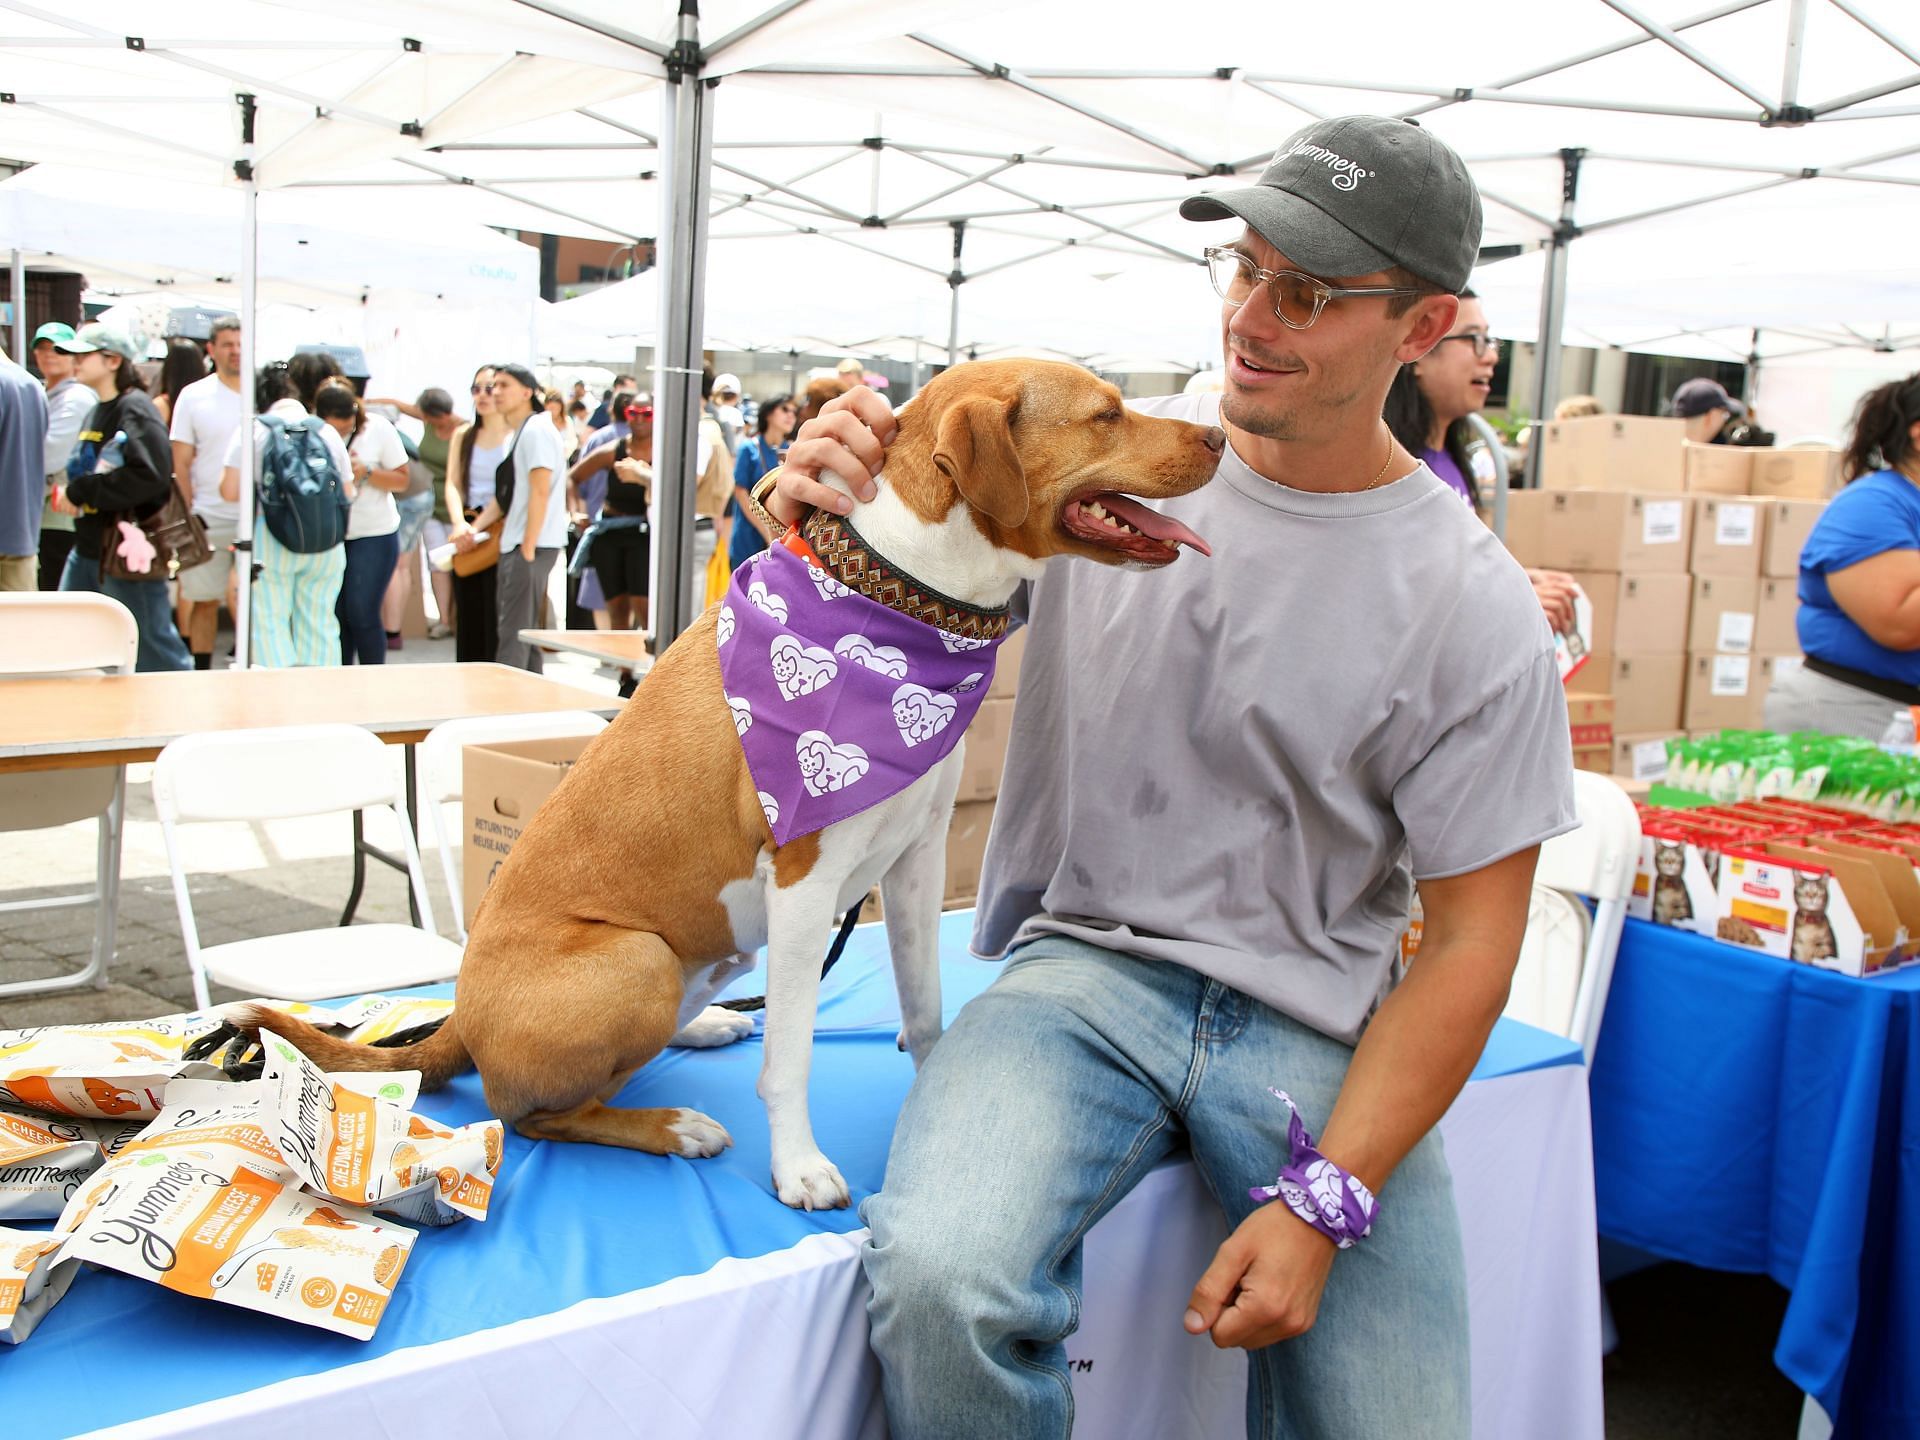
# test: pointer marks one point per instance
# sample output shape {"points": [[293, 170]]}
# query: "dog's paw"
{"points": [[699, 1135], [713, 1027], [811, 1182]]}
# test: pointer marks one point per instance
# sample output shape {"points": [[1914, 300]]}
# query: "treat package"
{"points": [[367, 1151], [33, 1277], [375, 1017], [396, 1087], [40, 1167]]}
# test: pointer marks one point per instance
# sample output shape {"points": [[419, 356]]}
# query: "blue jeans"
{"points": [[1074, 1074], [370, 562], [415, 511], [161, 647]]}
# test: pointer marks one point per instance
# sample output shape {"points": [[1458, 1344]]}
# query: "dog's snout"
{"points": [[1216, 439]]}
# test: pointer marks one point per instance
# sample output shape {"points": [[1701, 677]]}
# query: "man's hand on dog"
{"points": [[849, 439], [1264, 1284]]}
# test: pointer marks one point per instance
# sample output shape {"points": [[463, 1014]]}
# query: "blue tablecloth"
{"points": [[569, 1222], [1759, 1116]]}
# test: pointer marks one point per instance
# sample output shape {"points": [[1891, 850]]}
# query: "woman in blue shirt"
{"points": [[1859, 586], [753, 461]]}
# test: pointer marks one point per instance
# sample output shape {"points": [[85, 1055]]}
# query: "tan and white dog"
{"points": [[650, 877]]}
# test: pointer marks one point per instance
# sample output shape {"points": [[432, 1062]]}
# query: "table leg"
{"points": [[359, 869], [361, 849]]}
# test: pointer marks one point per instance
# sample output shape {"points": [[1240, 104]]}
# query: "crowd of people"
{"points": [[95, 439]]}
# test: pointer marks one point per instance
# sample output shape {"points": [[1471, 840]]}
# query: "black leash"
{"points": [[852, 918]]}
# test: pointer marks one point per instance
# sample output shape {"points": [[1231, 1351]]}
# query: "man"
{"points": [[68, 405], [204, 420], [614, 404], [23, 449], [725, 409], [1220, 780], [1714, 417]]}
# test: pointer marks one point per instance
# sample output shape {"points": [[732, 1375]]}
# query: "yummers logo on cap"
{"points": [[1347, 174]]}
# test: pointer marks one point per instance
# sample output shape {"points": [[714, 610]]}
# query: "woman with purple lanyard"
{"points": [[1427, 410], [754, 460]]}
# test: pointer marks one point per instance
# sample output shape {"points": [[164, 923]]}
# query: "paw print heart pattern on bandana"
{"points": [[825, 766], [798, 668], [766, 602], [887, 660], [920, 714], [839, 701]]}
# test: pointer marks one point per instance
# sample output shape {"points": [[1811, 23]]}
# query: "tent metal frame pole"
{"points": [[598, 27], [17, 281], [1878, 31], [687, 149], [742, 31], [1672, 41], [249, 356], [1790, 70], [955, 279], [1553, 310]]}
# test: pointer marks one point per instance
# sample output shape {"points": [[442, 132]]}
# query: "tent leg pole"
{"points": [[686, 147], [1553, 309], [17, 277], [1750, 382], [249, 360], [955, 280]]}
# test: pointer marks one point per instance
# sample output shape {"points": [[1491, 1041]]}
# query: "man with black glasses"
{"points": [[1221, 783]]}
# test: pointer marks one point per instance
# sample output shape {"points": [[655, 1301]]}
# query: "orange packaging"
{"points": [[33, 1277]]}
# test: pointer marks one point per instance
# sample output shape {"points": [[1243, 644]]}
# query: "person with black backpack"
{"points": [[303, 490]]}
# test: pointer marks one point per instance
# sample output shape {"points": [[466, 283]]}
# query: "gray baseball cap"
{"points": [[100, 337], [1359, 194]]}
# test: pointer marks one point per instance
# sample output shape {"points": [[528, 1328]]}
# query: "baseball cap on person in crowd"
{"points": [[100, 337], [58, 331], [1358, 194], [1699, 395], [725, 384]]}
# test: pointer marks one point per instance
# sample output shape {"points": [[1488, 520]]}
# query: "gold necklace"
{"points": [[1383, 464]]}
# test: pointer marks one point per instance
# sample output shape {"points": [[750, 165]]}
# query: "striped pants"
{"points": [[293, 604]]}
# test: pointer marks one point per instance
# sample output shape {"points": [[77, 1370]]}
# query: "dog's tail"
{"points": [[438, 1058]]}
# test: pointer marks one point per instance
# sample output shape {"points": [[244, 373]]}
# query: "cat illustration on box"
{"points": [[1670, 902], [1813, 937]]}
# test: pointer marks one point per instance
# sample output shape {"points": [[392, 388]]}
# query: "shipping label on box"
{"points": [[1723, 614], [1716, 469], [1788, 523], [502, 787], [1828, 911], [1726, 537], [1776, 617], [1801, 473], [1622, 533], [1726, 692], [1641, 756]]}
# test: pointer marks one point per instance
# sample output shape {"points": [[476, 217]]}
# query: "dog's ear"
{"points": [[974, 449]]}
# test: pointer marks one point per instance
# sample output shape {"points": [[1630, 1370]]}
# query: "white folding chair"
{"points": [[442, 770], [1551, 988], [278, 774], [44, 634]]}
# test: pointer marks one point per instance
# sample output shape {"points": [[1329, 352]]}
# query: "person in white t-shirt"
{"points": [[533, 531], [379, 467], [205, 418]]}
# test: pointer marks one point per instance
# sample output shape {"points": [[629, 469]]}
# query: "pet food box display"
{"points": [[1788, 524], [1727, 536], [1612, 452], [1677, 880], [1726, 692], [1811, 907], [1722, 614], [1637, 614], [502, 785], [1716, 469], [1647, 690], [1573, 647], [1623, 532], [1591, 718], [966, 849], [1804, 472]]}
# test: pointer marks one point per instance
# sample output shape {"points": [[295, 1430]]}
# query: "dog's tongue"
{"points": [[1152, 523]]}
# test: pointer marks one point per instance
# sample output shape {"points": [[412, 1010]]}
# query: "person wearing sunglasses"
{"points": [[1222, 779]]}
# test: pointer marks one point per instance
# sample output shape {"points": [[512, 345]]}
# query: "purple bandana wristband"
{"points": [[839, 701], [1317, 1190]]}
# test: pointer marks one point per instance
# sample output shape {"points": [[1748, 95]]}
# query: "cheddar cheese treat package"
{"points": [[366, 1151], [100, 1072], [40, 1167], [33, 1277], [375, 1017], [396, 1087]]}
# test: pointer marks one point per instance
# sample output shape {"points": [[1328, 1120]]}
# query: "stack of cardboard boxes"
{"points": [[1690, 556], [980, 777]]}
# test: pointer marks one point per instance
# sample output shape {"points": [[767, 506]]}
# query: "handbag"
{"points": [[179, 541]]}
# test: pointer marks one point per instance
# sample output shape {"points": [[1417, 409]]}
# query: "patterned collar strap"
{"points": [[840, 550]]}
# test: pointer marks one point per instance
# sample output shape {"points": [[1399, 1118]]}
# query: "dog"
{"points": [[652, 874]]}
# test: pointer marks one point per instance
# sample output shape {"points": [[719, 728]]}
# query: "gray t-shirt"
{"points": [[1234, 764]]}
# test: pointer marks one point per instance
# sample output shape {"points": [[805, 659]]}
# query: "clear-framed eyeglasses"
{"points": [[1296, 299], [1483, 344]]}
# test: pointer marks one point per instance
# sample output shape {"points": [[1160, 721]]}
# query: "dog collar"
{"points": [[830, 543]]}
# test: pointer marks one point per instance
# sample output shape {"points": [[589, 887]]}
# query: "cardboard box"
{"points": [[1636, 614], [501, 787], [1647, 690], [1776, 617], [986, 753], [1716, 469], [1801, 473], [1591, 717], [1896, 878], [1643, 754], [1006, 666], [1726, 692], [1723, 615], [1615, 531], [1612, 452], [1526, 515], [1788, 523], [966, 849], [1727, 536], [1825, 910]]}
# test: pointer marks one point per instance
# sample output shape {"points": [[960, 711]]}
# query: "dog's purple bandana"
{"points": [[1319, 1191], [839, 702]]}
